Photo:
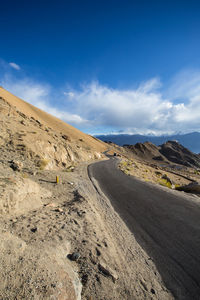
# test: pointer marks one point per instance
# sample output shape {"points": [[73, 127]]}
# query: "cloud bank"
{"points": [[14, 66], [40, 96], [149, 108]]}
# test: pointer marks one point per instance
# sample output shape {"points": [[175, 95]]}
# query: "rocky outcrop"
{"points": [[178, 154], [20, 195], [171, 151], [146, 151]]}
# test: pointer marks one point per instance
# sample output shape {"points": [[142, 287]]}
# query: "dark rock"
{"points": [[159, 157], [84, 278], [74, 256], [16, 165], [193, 187], [98, 252], [65, 137], [34, 229], [166, 178]]}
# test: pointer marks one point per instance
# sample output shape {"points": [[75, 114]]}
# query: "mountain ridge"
{"points": [[188, 140]]}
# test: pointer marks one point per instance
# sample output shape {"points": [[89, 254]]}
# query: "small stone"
{"points": [[74, 256], [51, 205], [59, 210], [13, 220], [98, 252], [106, 271], [34, 229], [65, 137], [16, 165]]}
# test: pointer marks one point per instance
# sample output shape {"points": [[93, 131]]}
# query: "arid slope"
{"points": [[42, 136]]}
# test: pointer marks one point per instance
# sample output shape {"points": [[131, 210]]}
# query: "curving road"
{"points": [[166, 225]]}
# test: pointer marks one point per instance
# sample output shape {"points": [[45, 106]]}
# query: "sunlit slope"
{"points": [[56, 124]]}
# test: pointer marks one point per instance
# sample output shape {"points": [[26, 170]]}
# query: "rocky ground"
{"points": [[144, 161], [68, 243], [65, 241]]}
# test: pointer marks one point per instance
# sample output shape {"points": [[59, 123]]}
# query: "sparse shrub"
{"points": [[43, 163], [176, 186], [196, 172], [159, 174], [165, 182], [24, 175], [124, 163], [88, 148], [125, 171], [70, 169]]}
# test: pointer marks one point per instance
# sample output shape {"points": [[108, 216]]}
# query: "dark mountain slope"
{"points": [[189, 140], [170, 151]]}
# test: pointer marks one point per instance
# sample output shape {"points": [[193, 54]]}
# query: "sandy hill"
{"points": [[43, 137]]}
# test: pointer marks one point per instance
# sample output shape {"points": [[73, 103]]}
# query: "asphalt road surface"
{"points": [[166, 225]]}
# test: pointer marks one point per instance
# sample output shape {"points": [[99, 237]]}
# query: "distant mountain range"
{"points": [[189, 140]]}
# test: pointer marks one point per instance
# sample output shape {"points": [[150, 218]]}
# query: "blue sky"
{"points": [[106, 66]]}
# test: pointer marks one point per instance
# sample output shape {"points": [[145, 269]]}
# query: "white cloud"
{"points": [[145, 109], [135, 110], [14, 66], [69, 94], [39, 95]]}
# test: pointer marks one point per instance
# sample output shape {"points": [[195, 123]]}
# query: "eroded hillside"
{"points": [[47, 141]]}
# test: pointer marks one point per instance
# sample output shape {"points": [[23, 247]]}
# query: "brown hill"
{"points": [[43, 137], [171, 151], [146, 151], [178, 154]]}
